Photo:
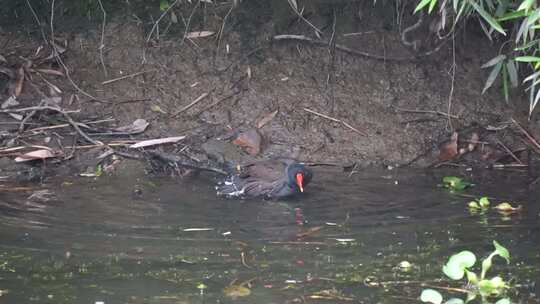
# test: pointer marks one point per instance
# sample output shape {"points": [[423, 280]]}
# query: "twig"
{"points": [[295, 9], [451, 94], [428, 112], [188, 23], [356, 52], [203, 95], [336, 120], [126, 76], [38, 108], [102, 43], [509, 152], [535, 143], [217, 102]]}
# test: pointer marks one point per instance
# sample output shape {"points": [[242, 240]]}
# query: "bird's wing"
{"points": [[270, 171]]}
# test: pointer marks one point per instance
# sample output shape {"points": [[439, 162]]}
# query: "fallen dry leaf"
{"points": [[159, 141], [449, 149], [36, 154], [266, 119], [199, 34], [250, 140], [19, 83], [136, 127]]}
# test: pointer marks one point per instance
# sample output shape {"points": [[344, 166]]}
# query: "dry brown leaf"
{"points": [[199, 34], [36, 154], [266, 119], [159, 141], [19, 81], [449, 150], [138, 126], [250, 141]]}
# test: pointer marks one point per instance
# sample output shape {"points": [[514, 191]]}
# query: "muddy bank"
{"points": [[390, 106]]}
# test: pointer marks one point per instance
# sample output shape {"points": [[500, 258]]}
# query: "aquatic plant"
{"points": [[455, 183], [459, 266]]}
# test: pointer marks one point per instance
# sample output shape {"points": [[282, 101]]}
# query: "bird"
{"points": [[269, 179]]}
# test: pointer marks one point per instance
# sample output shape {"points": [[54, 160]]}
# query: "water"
{"points": [[160, 240]]}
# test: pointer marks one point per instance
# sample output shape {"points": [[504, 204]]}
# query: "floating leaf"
{"points": [[455, 183], [431, 296], [474, 205], [458, 263], [484, 202], [236, 291], [454, 301], [503, 301]]}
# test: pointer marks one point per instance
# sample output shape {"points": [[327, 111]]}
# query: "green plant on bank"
{"points": [[459, 265], [514, 23]]}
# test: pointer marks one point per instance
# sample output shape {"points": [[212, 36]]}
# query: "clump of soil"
{"points": [[391, 105]]}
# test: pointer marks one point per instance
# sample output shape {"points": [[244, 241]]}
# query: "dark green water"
{"points": [[342, 242]]}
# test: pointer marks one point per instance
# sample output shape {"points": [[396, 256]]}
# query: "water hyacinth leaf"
{"points": [[458, 263], [494, 24], [484, 202], [431, 296], [504, 301], [454, 301], [492, 76], [471, 277], [493, 61], [492, 287], [474, 205], [455, 183], [486, 265], [502, 251]]}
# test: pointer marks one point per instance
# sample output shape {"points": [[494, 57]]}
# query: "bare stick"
{"points": [[102, 43], [336, 120], [355, 52], [295, 9], [203, 95], [535, 143], [428, 112], [451, 94], [124, 77], [509, 152]]}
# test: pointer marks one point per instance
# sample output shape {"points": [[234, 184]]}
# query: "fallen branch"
{"points": [[203, 95], [125, 77], [336, 120], [529, 137]]}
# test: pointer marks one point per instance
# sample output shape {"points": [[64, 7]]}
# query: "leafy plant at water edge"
{"points": [[513, 21], [459, 265]]}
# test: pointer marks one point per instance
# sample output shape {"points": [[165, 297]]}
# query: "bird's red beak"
{"points": [[300, 181]]}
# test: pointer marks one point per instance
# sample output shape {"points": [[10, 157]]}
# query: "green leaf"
{"points": [[495, 286], [503, 301], [493, 61], [432, 5], [512, 15], [458, 263], [512, 73], [431, 296], [163, 5], [506, 92], [526, 5], [502, 251], [483, 202], [533, 17], [527, 59], [486, 265], [494, 24], [492, 76], [421, 5], [471, 277]]}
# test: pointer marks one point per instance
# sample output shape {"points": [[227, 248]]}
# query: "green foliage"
{"points": [[460, 264], [514, 23], [455, 183]]}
